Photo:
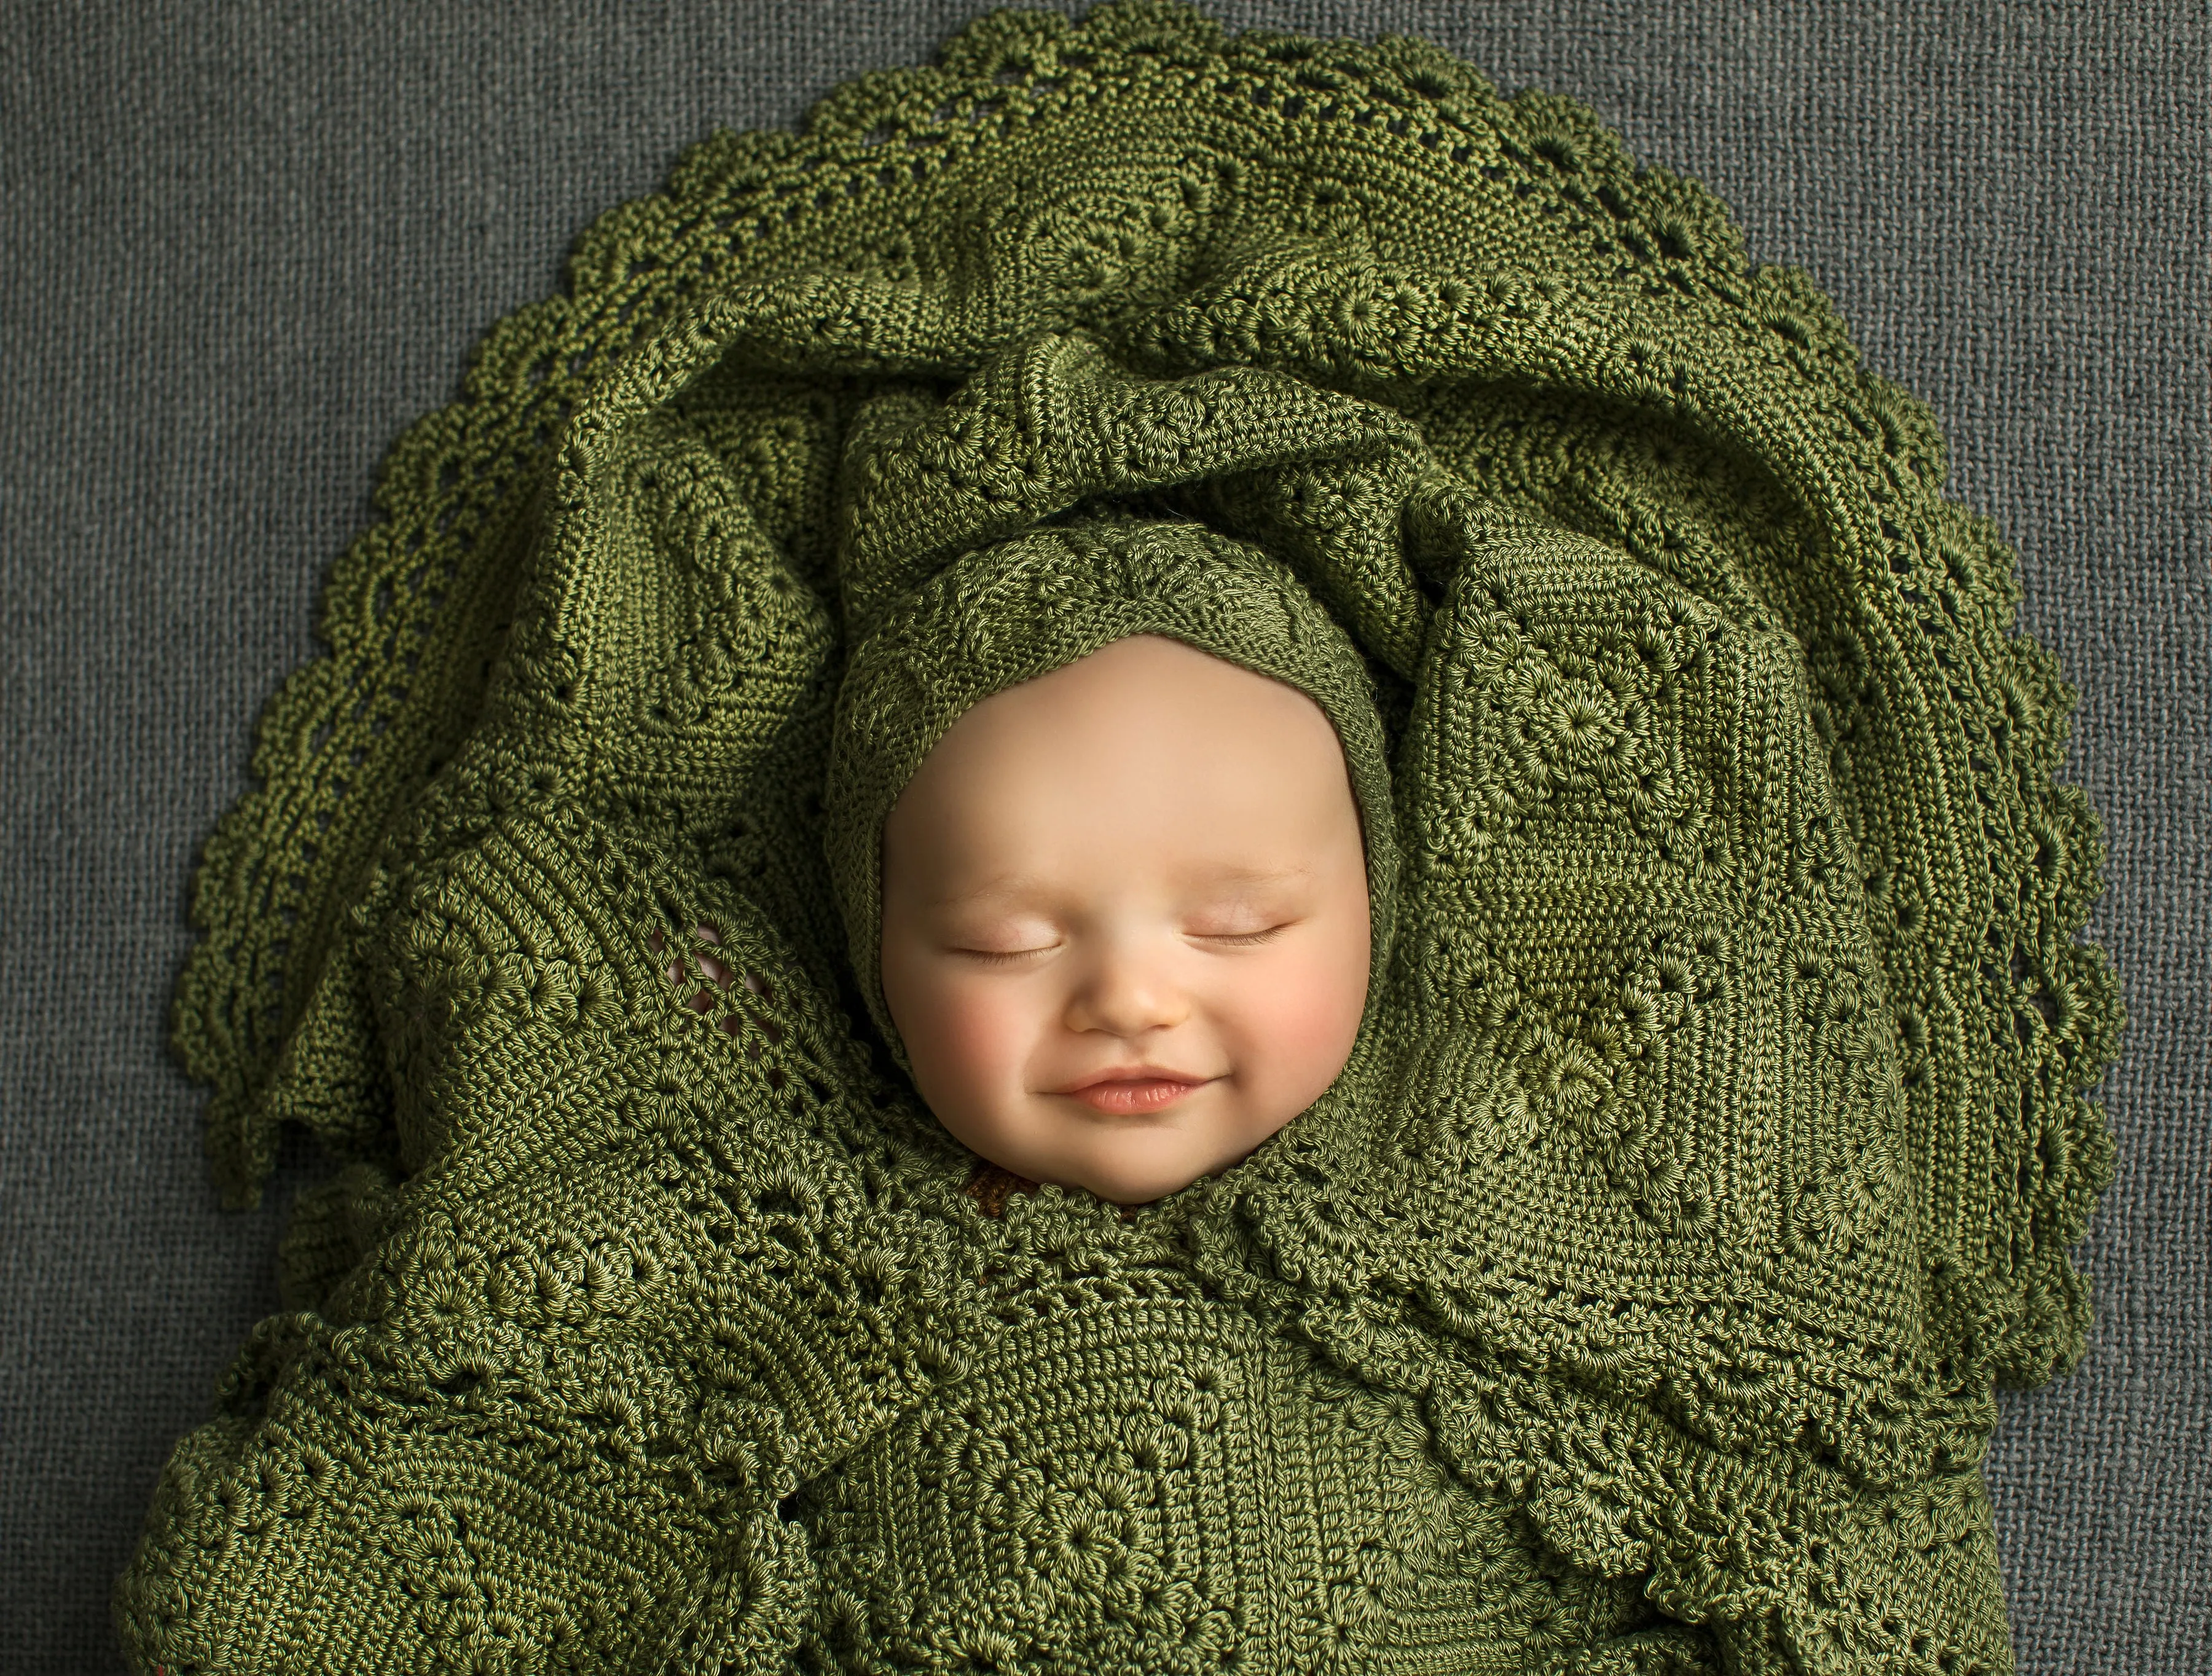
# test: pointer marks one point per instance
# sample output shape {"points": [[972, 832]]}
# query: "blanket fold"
{"points": [[1635, 1300]]}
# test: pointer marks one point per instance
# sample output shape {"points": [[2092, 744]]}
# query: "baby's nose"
{"points": [[1125, 994]]}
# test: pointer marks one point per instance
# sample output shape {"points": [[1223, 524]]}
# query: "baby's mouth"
{"points": [[1124, 1095]]}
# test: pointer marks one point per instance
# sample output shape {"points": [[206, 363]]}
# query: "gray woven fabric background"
{"points": [[246, 244]]}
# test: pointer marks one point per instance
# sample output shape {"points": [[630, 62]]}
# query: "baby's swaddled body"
{"points": [[1150, 863]]}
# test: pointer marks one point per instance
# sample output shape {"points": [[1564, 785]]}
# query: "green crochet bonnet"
{"points": [[1013, 611]]}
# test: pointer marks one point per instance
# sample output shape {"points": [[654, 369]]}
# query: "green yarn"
{"points": [[1712, 1144]]}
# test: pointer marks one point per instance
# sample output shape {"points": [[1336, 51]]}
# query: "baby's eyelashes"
{"points": [[1000, 939], [992, 956], [1241, 939]]}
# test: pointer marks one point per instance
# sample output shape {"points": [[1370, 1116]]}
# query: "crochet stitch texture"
{"points": [[1635, 1301]]}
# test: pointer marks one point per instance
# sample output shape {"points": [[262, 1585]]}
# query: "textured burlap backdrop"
{"points": [[246, 244]]}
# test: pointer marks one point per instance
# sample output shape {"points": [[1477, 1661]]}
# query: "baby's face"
{"points": [[1125, 919]]}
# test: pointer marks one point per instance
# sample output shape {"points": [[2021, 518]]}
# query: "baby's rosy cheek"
{"points": [[985, 1030], [1306, 1010]]}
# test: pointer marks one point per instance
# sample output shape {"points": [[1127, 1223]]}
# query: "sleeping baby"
{"points": [[1125, 925]]}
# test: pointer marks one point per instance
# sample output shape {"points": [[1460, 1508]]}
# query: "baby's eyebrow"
{"points": [[1239, 873], [1010, 887], [1001, 887]]}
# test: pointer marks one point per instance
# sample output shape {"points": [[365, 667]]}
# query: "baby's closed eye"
{"points": [[995, 939], [1237, 931], [1240, 938], [991, 956]]}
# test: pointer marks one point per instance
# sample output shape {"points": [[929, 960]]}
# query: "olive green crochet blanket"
{"points": [[1635, 1300]]}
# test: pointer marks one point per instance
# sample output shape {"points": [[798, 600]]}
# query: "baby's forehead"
{"points": [[1147, 747], [1157, 777], [1133, 723]]}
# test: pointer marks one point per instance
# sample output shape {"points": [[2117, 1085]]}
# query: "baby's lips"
{"points": [[1126, 1095]]}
